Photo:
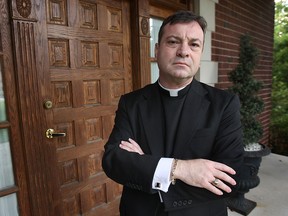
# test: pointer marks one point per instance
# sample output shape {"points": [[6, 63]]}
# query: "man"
{"points": [[176, 144]]}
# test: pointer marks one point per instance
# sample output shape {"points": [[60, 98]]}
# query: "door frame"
{"points": [[12, 112]]}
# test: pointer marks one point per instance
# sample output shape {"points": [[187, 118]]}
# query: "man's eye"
{"points": [[172, 42], [195, 45]]}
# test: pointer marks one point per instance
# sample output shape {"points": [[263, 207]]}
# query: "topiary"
{"points": [[247, 88]]}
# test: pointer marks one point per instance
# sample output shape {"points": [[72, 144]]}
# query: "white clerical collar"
{"points": [[173, 92]]}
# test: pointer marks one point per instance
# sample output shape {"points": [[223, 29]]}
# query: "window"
{"points": [[155, 25], [8, 198]]}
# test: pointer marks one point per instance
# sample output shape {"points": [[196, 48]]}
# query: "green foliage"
{"points": [[280, 67], [279, 116], [247, 87]]}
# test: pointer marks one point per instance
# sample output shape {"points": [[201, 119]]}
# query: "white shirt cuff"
{"points": [[161, 179]]}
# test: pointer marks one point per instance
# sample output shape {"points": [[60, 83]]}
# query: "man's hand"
{"points": [[197, 172], [201, 173], [131, 146]]}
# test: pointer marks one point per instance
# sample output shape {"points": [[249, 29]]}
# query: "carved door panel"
{"points": [[88, 70]]}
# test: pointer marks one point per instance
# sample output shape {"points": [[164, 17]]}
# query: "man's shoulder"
{"points": [[146, 90], [214, 93], [216, 90]]}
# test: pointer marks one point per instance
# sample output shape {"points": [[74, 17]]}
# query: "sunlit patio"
{"points": [[272, 193]]}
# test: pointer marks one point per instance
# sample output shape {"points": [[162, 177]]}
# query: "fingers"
{"points": [[224, 177], [131, 146], [219, 185], [216, 189], [221, 178], [207, 174], [224, 168], [222, 171]]}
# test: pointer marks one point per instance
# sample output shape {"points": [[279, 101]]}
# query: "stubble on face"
{"points": [[178, 54]]}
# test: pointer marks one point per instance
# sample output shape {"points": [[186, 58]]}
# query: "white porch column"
{"points": [[208, 70]]}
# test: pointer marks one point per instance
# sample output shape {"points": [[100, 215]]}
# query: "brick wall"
{"points": [[237, 17]]}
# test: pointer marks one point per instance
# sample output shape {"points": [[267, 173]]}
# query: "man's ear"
{"points": [[156, 49]]}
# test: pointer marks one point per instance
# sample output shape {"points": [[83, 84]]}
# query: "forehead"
{"points": [[189, 30]]}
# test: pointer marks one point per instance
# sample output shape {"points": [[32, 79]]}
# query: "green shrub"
{"points": [[247, 87]]}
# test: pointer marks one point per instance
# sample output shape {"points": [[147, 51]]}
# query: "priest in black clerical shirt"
{"points": [[176, 145]]}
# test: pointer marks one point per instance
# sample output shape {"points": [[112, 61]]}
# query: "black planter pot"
{"points": [[248, 179]]}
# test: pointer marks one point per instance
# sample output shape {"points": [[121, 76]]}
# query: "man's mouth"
{"points": [[181, 63]]}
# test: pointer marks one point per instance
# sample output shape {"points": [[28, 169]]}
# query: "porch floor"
{"points": [[272, 193]]}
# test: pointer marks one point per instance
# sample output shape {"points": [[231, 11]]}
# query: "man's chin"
{"points": [[182, 80], [183, 75]]}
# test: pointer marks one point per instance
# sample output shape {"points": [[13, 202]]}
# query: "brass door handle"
{"points": [[50, 133]]}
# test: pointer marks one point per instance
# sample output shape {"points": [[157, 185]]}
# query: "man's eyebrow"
{"points": [[173, 36], [196, 39], [180, 38]]}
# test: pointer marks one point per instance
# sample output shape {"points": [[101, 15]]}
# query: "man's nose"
{"points": [[183, 50]]}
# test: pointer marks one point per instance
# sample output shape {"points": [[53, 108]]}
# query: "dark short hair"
{"points": [[182, 17]]}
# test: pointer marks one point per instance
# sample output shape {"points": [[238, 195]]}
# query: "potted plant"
{"points": [[247, 88]]}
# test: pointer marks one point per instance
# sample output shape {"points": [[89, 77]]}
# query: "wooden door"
{"points": [[89, 69], [83, 54]]}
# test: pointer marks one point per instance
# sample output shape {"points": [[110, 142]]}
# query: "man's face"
{"points": [[178, 54]]}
